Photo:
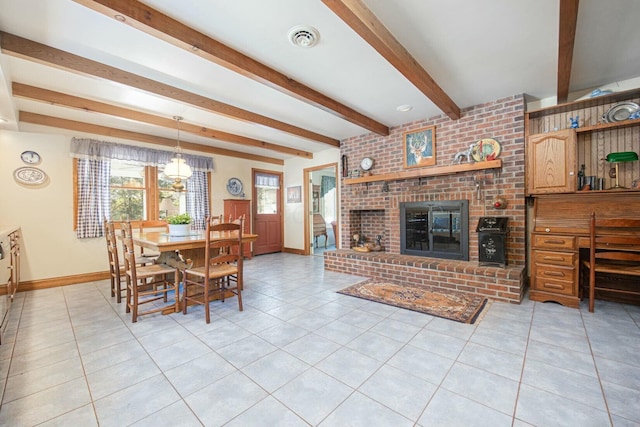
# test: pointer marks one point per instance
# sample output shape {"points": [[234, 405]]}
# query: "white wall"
{"points": [[294, 212], [50, 248], [45, 213]]}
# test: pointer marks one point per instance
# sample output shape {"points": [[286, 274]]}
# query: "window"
{"points": [[169, 202], [266, 187], [126, 191], [132, 197]]}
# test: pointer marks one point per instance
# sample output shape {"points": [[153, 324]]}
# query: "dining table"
{"points": [[183, 251]]}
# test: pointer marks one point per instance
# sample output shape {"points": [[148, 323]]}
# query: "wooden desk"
{"points": [[561, 230]]}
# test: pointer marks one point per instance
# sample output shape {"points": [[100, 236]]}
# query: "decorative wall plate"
{"points": [[620, 111], [234, 186], [486, 149], [30, 175]]}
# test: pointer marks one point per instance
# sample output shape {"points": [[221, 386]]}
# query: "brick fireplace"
{"points": [[372, 209]]}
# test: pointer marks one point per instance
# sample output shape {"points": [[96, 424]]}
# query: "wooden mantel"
{"points": [[422, 172]]}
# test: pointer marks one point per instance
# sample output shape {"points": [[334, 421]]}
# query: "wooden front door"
{"points": [[267, 222]]}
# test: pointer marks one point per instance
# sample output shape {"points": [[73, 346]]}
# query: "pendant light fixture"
{"points": [[178, 169]]}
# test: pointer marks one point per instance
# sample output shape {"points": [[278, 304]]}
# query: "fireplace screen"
{"points": [[435, 229]]}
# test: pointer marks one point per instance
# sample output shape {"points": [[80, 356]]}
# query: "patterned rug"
{"points": [[447, 304]]}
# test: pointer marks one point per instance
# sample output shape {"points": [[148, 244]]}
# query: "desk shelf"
{"points": [[424, 172], [605, 126]]}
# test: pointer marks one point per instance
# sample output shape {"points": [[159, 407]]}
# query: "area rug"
{"points": [[447, 304]]}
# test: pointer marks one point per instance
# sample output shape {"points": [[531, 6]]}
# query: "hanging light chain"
{"points": [[178, 148]]}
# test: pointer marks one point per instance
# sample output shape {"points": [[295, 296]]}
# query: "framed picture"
{"points": [[420, 147], [316, 199], [294, 194]]}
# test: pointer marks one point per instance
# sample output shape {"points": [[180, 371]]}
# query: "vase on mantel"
{"points": [[179, 229]]}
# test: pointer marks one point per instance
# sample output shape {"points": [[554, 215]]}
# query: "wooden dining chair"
{"points": [[234, 277], [116, 261], [115, 271], [152, 225], [614, 248], [147, 284], [223, 249]]}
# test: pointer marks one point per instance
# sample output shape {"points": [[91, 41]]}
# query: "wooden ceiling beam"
{"points": [[357, 16], [43, 120], [157, 24], [566, 40], [40, 53], [69, 101]]}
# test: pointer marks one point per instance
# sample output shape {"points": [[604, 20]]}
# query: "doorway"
{"points": [[321, 200], [267, 211]]}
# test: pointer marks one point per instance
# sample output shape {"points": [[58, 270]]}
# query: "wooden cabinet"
{"points": [[555, 152], [560, 239], [554, 269], [15, 263], [9, 274], [235, 208], [551, 164]]}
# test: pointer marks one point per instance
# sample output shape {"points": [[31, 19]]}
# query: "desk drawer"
{"points": [[550, 241], [555, 272], [560, 287], [555, 278], [555, 258]]}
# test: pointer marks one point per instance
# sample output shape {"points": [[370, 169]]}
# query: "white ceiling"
{"points": [[476, 51]]}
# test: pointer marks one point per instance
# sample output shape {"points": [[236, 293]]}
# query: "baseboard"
{"points": [[293, 251], [54, 282]]}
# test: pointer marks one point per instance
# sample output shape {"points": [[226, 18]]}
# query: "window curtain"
{"points": [[327, 184], [93, 197], [197, 199], [94, 171], [267, 181]]}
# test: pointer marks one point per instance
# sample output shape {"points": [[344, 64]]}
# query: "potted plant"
{"points": [[179, 225]]}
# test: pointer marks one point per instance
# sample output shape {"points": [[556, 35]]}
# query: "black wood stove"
{"points": [[492, 240]]}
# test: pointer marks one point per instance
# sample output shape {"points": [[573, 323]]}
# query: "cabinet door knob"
{"points": [[547, 230]]}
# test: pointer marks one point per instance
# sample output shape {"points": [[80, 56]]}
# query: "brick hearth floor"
{"points": [[301, 354]]}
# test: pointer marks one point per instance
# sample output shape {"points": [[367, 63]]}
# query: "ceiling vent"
{"points": [[303, 36]]}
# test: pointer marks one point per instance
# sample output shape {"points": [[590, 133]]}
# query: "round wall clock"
{"points": [[366, 163], [29, 175], [234, 187], [30, 157]]}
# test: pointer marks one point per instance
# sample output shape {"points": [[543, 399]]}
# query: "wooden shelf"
{"points": [[584, 103], [432, 171], [605, 126]]}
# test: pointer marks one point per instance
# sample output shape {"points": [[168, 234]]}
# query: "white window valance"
{"points": [[267, 181], [85, 148]]}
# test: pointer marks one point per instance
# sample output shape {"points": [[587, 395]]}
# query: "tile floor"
{"points": [[301, 354]]}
